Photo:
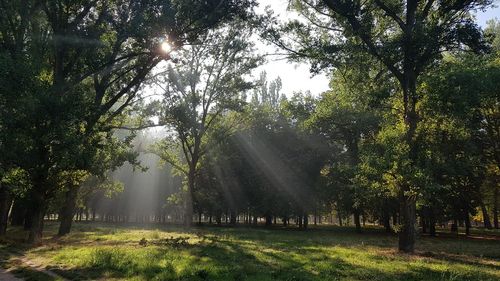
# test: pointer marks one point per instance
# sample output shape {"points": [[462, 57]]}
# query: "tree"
{"points": [[70, 45], [347, 116], [198, 92], [461, 112], [406, 37]]}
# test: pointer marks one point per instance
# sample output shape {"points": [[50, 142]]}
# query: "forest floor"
{"points": [[113, 252]]}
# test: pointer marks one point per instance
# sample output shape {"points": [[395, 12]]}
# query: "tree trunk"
{"points": [[28, 218], [387, 220], [467, 223], [269, 219], [5, 204], [486, 216], [423, 221], [407, 201], [306, 221], [407, 233], [357, 221], [67, 211], [432, 223], [495, 207], [454, 226], [36, 214], [18, 213], [188, 216], [232, 219]]}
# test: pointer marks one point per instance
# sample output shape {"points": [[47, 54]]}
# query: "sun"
{"points": [[166, 47]]}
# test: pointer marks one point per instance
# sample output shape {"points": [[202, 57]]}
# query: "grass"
{"points": [[108, 252]]}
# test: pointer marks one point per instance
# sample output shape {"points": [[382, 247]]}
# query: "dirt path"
{"points": [[5, 275], [37, 267], [21, 262]]}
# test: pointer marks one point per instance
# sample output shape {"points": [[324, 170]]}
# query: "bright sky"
{"points": [[296, 77]]}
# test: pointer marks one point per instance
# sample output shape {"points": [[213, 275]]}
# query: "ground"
{"points": [[111, 252]]}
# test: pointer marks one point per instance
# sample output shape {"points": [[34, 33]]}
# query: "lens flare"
{"points": [[166, 47]]}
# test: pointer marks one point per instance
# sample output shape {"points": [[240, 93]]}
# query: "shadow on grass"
{"points": [[216, 259], [10, 254], [255, 254]]}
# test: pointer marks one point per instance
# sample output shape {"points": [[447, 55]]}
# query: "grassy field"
{"points": [[109, 252]]}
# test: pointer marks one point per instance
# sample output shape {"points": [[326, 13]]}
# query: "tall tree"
{"points": [[198, 92], [73, 44], [406, 37], [347, 116]]}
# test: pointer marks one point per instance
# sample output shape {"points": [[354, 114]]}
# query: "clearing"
{"points": [[117, 252]]}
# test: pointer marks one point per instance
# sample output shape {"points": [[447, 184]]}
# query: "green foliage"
{"points": [[70, 71], [199, 92]]}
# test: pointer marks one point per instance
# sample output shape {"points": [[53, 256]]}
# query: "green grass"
{"points": [[108, 252]]}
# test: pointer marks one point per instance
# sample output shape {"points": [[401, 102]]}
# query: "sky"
{"points": [[296, 77]]}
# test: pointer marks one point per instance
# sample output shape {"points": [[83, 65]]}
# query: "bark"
{"points": [[467, 223], [432, 223], [486, 216], [28, 218], [424, 224], [37, 212], [357, 221], [407, 234], [269, 219], [188, 217], [18, 213], [387, 221], [5, 204], [232, 219], [67, 211], [495, 208], [454, 226], [306, 221]]}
